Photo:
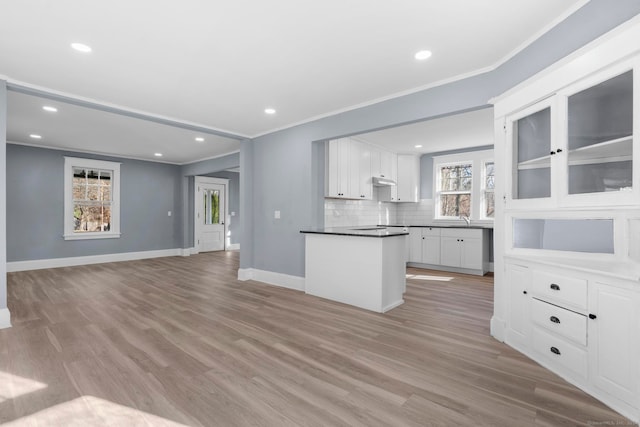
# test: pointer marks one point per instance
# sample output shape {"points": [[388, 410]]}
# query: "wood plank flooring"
{"points": [[179, 341]]}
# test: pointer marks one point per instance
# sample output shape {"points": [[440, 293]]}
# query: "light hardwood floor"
{"points": [[179, 341]]}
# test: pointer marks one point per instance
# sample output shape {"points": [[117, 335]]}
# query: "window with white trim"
{"points": [[91, 199], [488, 191], [454, 190], [464, 186]]}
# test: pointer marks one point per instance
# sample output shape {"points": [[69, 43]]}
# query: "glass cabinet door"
{"points": [[531, 142], [600, 137]]}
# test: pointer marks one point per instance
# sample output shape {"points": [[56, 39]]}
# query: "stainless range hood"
{"points": [[382, 182]]}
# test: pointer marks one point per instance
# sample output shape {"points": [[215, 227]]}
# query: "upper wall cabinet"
{"points": [[576, 148], [382, 164], [348, 170]]}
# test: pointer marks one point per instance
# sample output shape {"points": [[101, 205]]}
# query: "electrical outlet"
{"points": [[276, 214]]}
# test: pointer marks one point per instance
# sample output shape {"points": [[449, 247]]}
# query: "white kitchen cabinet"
{"points": [[382, 163], [519, 282], [424, 245], [576, 148], [566, 145], [360, 174], [614, 334], [405, 170], [415, 244], [431, 245], [337, 170], [462, 248], [580, 325], [408, 187], [348, 170]]}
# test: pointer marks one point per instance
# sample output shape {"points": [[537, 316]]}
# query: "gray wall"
{"points": [[35, 178], [188, 172], [426, 168], [282, 162], [233, 201]]}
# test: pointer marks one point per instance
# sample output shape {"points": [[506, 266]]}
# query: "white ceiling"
{"points": [[88, 130], [472, 129], [219, 64]]}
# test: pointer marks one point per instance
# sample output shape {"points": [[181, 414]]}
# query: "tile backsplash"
{"points": [[344, 213]]}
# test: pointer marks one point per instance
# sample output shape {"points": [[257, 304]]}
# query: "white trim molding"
{"points": [[498, 328], [233, 247], [39, 264], [114, 168], [272, 278], [5, 318]]}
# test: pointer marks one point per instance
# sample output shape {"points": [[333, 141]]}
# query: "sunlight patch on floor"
{"points": [[424, 277], [92, 411], [12, 386]]}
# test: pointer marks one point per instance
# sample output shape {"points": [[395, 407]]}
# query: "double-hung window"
{"points": [[91, 199], [454, 190], [464, 186], [489, 199]]}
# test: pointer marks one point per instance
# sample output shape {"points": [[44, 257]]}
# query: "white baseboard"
{"points": [[188, 251], [392, 305], [5, 318], [271, 278], [498, 327], [233, 247], [39, 264]]}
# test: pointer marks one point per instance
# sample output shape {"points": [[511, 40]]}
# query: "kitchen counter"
{"points": [[360, 231], [347, 265], [482, 226]]}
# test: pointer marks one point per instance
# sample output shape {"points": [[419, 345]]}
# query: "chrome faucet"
{"points": [[466, 219]]}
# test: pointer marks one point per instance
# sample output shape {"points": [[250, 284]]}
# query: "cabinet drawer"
{"points": [[559, 352], [563, 322], [567, 291], [461, 232], [430, 231]]}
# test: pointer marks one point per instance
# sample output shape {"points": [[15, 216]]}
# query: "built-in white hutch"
{"points": [[567, 224]]}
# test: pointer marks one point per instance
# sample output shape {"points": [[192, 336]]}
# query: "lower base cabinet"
{"points": [[593, 342], [464, 250]]}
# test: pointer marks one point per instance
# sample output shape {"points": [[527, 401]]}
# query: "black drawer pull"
{"points": [[592, 316], [555, 287], [555, 350], [554, 319]]}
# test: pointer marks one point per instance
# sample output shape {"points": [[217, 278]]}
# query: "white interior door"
{"points": [[211, 216]]}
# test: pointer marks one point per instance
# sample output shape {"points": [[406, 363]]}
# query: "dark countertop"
{"points": [[487, 226], [358, 231]]}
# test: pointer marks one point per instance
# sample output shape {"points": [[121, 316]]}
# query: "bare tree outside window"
{"points": [[91, 200], [455, 190], [489, 190]]}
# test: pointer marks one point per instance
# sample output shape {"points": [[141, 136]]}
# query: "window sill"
{"points": [[92, 236]]}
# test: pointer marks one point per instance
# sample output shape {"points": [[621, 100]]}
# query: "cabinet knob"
{"points": [[554, 287], [381, 176], [592, 316], [555, 350], [524, 292], [554, 319], [423, 238], [559, 150], [552, 153]]}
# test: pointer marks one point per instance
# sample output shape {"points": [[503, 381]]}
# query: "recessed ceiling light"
{"points": [[50, 109], [418, 146], [157, 154], [35, 136], [269, 111], [199, 139], [81, 47], [422, 55]]}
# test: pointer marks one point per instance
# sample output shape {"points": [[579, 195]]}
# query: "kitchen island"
{"points": [[360, 266]]}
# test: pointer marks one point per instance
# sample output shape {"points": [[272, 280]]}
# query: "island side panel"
{"points": [[394, 273], [346, 269]]}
